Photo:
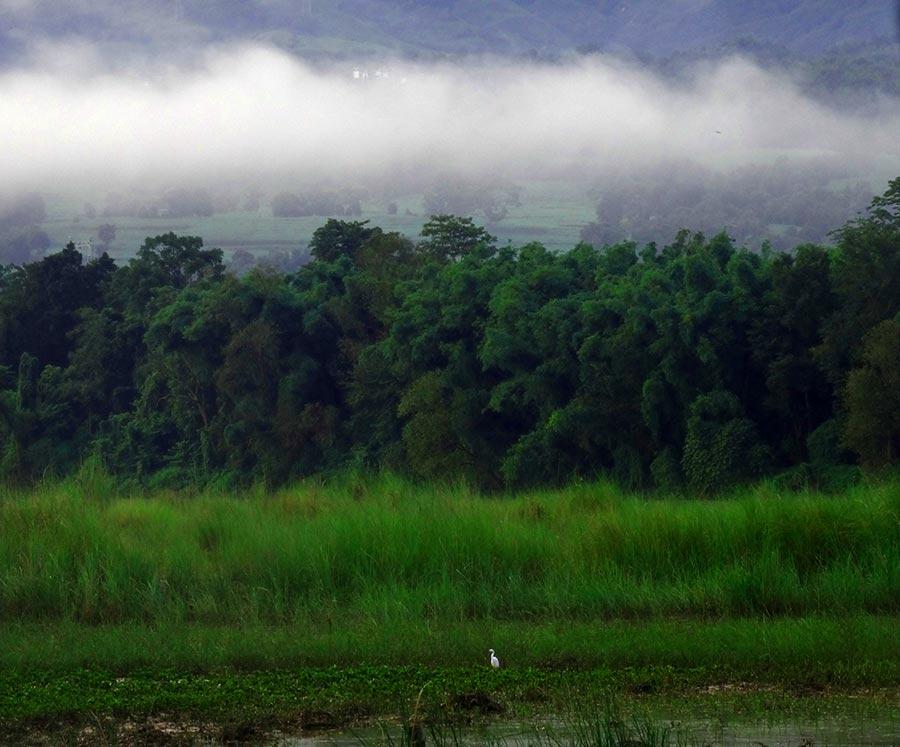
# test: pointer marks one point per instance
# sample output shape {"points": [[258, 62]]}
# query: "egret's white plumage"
{"points": [[495, 662]]}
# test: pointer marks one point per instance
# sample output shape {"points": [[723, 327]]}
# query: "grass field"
{"points": [[551, 212], [59, 678], [846, 652], [116, 603], [384, 550]]}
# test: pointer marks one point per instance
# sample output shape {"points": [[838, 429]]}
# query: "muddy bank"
{"points": [[732, 714]]}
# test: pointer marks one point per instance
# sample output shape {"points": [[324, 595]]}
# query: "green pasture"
{"points": [[551, 212]]}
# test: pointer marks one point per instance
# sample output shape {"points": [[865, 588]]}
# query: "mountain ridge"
{"points": [[452, 27]]}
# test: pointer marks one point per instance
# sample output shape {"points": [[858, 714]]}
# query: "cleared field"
{"points": [[552, 213]]}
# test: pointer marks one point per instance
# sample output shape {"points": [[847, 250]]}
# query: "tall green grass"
{"points": [[380, 549]]}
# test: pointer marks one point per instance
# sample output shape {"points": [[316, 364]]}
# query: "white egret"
{"points": [[495, 662]]}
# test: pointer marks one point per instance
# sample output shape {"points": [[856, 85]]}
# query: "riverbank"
{"points": [[175, 706], [328, 604]]}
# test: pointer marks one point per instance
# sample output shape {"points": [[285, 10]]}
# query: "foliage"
{"points": [[696, 363], [784, 203], [721, 447], [290, 205], [456, 197], [873, 398], [223, 683], [106, 233], [448, 238]]}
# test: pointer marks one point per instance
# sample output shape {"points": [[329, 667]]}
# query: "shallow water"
{"points": [[826, 733]]}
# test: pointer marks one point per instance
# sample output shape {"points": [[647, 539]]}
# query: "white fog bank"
{"points": [[255, 113]]}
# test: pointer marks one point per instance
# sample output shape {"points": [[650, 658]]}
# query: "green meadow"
{"points": [[552, 212], [386, 550], [355, 593]]}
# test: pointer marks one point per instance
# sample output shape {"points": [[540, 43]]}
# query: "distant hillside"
{"points": [[429, 27]]}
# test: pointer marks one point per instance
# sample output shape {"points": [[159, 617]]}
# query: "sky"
{"points": [[254, 113]]}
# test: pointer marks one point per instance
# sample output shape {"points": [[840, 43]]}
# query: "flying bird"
{"points": [[495, 662]]}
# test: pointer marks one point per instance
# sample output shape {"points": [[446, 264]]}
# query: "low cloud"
{"points": [[253, 113]]}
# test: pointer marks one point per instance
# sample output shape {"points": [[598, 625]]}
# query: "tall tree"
{"points": [[872, 398]]}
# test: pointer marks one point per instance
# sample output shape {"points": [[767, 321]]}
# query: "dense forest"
{"points": [[695, 365]]}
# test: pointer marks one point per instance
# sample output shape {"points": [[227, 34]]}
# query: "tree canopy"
{"points": [[694, 365]]}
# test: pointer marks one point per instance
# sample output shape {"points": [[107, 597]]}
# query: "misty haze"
{"points": [[127, 127], [450, 372]]}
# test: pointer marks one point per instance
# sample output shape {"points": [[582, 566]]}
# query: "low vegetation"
{"points": [[387, 551], [327, 602]]}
